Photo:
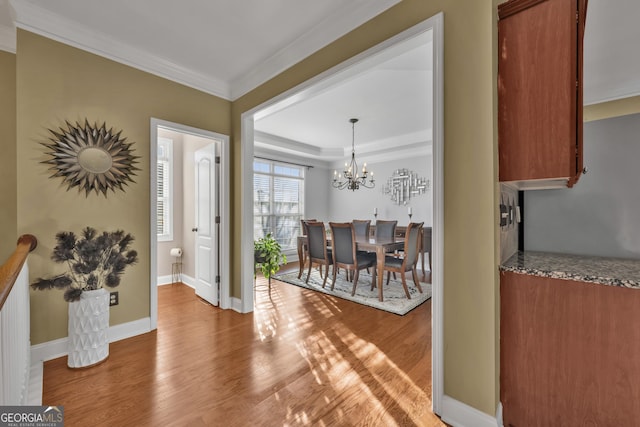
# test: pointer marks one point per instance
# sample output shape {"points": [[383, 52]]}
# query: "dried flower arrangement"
{"points": [[94, 260]]}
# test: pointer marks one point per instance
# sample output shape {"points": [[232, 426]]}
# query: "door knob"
{"points": [[194, 229]]}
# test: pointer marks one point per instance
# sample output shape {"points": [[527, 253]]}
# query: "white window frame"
{"points": [[271, 174], [167, 147]]}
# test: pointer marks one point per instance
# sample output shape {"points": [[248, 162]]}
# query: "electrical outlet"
{"points": [[113, 298], [504, 214]]}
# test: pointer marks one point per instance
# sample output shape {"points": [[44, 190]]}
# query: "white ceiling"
{"points": [[224, 47], [228, 47], [390, 93]]}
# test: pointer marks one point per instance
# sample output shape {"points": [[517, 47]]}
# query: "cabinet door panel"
{"points": [[537, 92], [568, 352]]}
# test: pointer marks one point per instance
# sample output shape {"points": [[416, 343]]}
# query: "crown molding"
{"points": [[40, 21], [400, 147], [391, 144], [268, 152], [280, 144], [56, 27], [389, 153], [328, 30], [8, 39]]}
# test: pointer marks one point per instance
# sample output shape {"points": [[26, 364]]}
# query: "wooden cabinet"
{"points": [[540, 92], [569, 352]]}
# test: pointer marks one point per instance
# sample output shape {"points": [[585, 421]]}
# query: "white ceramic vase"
{"points": [[88, 325]]}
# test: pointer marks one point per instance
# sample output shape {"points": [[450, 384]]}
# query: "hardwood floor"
{"points": [[301, 358]]}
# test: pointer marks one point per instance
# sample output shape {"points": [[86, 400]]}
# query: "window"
{"points": [[165, 189], [278, 207]]}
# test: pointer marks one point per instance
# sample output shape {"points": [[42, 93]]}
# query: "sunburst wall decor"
{"points": [[91, 158]]}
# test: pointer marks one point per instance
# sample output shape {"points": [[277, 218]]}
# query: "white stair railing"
{"points": [[15, 346]]}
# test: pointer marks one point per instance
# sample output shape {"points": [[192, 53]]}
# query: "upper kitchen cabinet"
{"points": [[540, 92]]}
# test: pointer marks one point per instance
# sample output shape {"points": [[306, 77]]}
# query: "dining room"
{"points": [[355, 146], [401, 192], [376, 113], [403, 200]]}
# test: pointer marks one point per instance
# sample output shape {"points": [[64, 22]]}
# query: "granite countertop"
{"points": [[606, 271]]}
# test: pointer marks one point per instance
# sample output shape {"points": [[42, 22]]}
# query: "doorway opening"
{"points": [[178, 168], [311, 88]]}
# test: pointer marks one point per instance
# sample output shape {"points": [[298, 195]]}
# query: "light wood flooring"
{"points": [[301, 358]]}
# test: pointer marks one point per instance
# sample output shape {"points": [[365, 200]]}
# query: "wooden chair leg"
{"points": [[303, 261], [324, 282], [333, 283], [309, 271], [355, 281], [404, 285], [415, 278]]}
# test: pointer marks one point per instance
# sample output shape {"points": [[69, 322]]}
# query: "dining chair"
{"points": [[305, 246], [362, 227], [343, 239], [319, 254], [412, 244], [386, 229], [426, 248]]}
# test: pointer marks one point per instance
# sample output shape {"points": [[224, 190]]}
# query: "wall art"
{"points": [[91, 158], [405, 184]]}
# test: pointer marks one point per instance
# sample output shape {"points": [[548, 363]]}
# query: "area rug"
{"points": [[395, 300]]}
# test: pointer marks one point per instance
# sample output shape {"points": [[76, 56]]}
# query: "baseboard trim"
{"points": [[164, 280], [168, 280], [236, 305], [58, 348], [189, 281], [460, 414]]}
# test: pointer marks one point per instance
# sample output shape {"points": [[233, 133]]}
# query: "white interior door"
{"points": [[207, 230]]}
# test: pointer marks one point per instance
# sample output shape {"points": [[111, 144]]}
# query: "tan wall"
{"points": [[56, 82], [8, 232], [470, 263]]}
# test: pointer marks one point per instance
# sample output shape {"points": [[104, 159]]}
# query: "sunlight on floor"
{"points": [[340, 362]]}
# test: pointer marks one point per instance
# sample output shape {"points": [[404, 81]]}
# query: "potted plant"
{"points": [[268, 254], [94, 261]]}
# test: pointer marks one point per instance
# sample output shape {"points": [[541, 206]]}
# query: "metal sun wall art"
{"points": [[405, 184], [91, 158]]}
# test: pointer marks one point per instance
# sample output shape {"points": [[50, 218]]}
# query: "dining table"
{"points": [[381, 247]]}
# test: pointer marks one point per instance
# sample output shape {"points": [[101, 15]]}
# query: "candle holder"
{"points": [[410, 215]]}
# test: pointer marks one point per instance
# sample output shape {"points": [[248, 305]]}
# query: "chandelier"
{"points": [[350, 178]]}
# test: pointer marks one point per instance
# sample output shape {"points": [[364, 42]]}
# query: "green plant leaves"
{"points": [[268, 254]]}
